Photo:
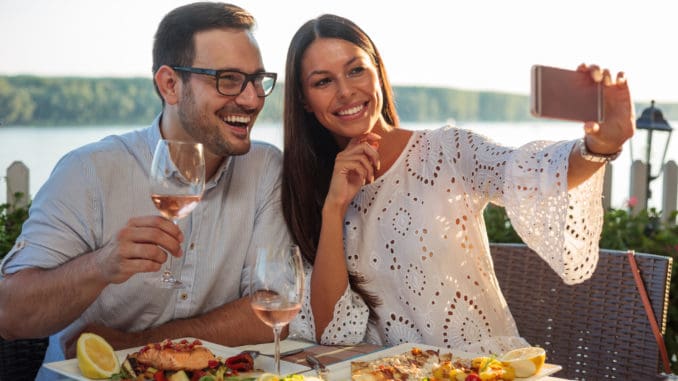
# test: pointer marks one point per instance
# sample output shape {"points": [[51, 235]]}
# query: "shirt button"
{"points": [[191, 246], [184, 296]]}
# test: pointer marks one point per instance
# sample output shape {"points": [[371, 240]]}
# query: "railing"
{"points": [[17, 181]]}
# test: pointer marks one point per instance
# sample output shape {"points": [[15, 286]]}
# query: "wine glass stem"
{"points": [[167, 275], [276, 337]]}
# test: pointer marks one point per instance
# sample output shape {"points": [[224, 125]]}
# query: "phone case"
{"points": [[565, 94]]}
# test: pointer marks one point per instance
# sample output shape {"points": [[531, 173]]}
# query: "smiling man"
{"points": [[94, 242]]}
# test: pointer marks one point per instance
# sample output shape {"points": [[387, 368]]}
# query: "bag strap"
{"points": [[648, 309]]}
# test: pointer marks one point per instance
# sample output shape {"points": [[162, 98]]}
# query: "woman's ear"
{"points": [[169, 84]]}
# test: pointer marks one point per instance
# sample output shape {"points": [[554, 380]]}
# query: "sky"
{"points": [[467, 44]]}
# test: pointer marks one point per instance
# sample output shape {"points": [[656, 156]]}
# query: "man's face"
{"points": [[222, 123]]}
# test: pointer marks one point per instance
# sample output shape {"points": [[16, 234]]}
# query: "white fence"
{"points": [[17, 181]]}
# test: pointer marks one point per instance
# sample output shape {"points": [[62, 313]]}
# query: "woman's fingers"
{"points": [[364, 146], [603, 75], [621, 79], [355, 162], [607, 78]]}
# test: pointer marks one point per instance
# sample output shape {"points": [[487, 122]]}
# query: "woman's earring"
{"points": [[306, 106]]}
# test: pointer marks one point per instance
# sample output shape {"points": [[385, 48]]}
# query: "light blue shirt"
{"points": [[93, 192]]}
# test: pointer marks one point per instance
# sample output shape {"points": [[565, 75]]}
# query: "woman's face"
{"points": [[341, 88]]}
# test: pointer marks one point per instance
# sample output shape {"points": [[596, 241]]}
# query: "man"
{"points": [[94, 241]]}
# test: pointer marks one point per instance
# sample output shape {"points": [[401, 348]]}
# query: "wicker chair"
{"points": [[597, 329], [21, 359]]}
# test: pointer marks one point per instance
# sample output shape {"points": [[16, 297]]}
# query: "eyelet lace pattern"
{"points": [[418, 236]]}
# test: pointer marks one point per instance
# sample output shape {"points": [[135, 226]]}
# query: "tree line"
{"points": [[74, 101]]}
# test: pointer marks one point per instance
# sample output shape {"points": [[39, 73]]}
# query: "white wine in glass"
{"points": [[177, 184], [277, 289]]}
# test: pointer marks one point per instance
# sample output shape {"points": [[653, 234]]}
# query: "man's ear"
{"points": [[168, 83]]}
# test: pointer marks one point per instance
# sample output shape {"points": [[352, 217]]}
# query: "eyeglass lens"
{"points": [[233, 83]]}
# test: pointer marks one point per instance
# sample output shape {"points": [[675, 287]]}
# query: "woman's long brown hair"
{"points": [[309, 148]]}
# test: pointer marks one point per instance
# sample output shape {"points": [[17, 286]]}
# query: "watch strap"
{"points": [[595, 157]]}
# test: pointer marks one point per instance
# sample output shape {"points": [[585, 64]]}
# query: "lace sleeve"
{"points": [[562, 227], [348, 325], [531, 183]]}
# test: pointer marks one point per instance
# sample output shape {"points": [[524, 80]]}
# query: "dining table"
{"points": [[332, 354], [329, 355]]}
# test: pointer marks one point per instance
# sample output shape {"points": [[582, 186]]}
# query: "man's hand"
{"points": [[139, 247]]}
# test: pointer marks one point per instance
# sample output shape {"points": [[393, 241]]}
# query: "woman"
{"points": [[392, 219]]}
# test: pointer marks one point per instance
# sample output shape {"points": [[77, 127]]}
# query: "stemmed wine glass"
{"points": [[177, 184], [277, 288]]}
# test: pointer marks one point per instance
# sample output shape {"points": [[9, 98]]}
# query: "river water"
{"points": [[41, 147]]}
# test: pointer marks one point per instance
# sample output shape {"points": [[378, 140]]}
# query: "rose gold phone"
{"points": [[565, 94]]}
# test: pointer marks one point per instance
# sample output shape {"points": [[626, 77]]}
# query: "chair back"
{"points": [[21, 359], [597, 329]]}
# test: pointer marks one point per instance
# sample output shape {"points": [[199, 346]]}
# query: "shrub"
{"points": [[11, 219]]}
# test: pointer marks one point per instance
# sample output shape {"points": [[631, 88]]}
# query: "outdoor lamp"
{"points": [[650, 121]]}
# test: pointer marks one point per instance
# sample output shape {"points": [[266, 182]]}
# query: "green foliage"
{"points": [[11, 220], [498, 225], [644, 232]]}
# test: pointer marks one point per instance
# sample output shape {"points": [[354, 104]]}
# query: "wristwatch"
{"points": [[595, 157]]}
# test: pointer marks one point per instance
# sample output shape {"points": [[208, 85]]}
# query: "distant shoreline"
{"points": [[73, 101]]}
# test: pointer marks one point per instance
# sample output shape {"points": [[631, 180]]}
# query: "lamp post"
{"points": [[652, 120]]}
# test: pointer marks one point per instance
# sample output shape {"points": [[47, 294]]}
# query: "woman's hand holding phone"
{"points": [[589, 95], [619, 124]]}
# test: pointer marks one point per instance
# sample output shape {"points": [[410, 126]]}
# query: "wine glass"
{"points": [[177, 184], [277, 288]]}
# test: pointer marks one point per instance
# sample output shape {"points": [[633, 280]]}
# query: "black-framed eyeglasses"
{"points": [[233, 82]]}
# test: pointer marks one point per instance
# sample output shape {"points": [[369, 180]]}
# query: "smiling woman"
{"points": [[401, 210]]}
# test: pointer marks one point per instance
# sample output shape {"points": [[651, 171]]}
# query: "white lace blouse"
{"points": [[418, 236]]}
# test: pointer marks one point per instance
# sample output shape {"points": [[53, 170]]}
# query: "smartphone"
{"points": [[565, 94]]}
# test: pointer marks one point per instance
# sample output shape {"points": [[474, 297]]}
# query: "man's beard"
{"points": [[197, 126]]}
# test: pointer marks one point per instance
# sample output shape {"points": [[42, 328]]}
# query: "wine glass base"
{"points": [[165, 283], [170, 284]]}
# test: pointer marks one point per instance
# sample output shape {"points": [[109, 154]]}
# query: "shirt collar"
{"points": [[224, 172], [153, 135]]}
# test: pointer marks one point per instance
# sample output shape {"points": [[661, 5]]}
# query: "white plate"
{"points": [[70, 368], [341, 371]]}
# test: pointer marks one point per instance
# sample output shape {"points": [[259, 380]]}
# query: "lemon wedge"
{"points": [[525, 361], [96, 357]]}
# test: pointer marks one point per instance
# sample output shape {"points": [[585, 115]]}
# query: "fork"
{"points": [[320, 368], [256, 354]]}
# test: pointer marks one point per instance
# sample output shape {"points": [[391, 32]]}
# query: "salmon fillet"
{"points": [[183, 355]]}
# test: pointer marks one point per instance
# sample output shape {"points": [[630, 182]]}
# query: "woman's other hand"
{"points": [[354, 167]]}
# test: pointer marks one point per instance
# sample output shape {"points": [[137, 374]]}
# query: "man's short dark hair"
{"points": [[174, 44]]}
